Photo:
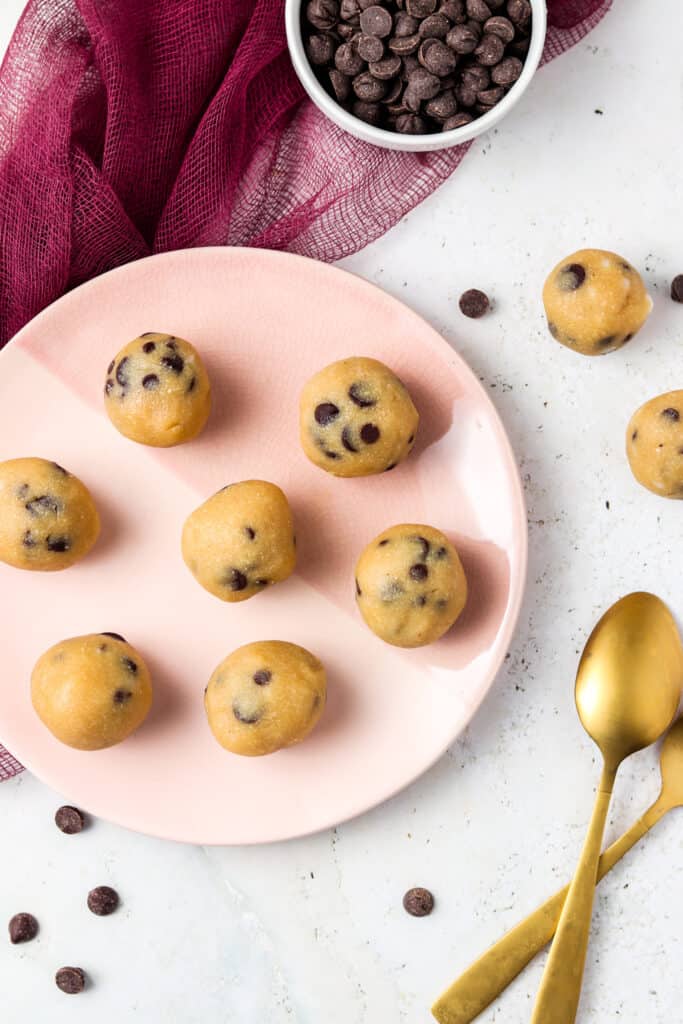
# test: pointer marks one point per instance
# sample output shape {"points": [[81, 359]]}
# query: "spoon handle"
{"points": [[558, 995], [488, 976]]}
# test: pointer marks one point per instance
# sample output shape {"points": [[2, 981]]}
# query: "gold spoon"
{"points": [[628, 688], [490, 975]]}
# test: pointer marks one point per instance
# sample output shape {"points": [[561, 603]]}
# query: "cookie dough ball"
{"points": [[157, 391], [48, 520], [654, 445], [410, 585], [595, 301], [265, 696], [357, 418], [91, 691], [241, 540]]}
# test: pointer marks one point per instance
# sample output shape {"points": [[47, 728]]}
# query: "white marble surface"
{"points": [[313, 930]]}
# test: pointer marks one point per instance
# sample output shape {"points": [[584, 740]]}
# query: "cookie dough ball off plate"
{"points": [[654, 445], [91, 691], [410, 585], [157, 391], [48, 520], [241, 540], [265, 696], [595, 301], [357, 418]]}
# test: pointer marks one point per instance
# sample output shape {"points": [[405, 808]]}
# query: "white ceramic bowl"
{"points": [[394, 140]]}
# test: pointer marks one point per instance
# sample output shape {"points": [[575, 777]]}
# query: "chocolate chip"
{"points": [[489, 97], [490, 50], [418, 572], [103, 900], [247, 717], [322, 14], [385, 70], [60, 469], [262, 583], [366, 111], [383, 542], [58, 544], [413, 102], [370, 48], [405, 45], [422, 83], [553, 329], [149, 346], [393, 92], [70, 980], [22, 928], [150, 381], [671, 414], [331, 455], [441, 553], [437, 58], [411, 438], [462, 39], [349, 9], [121, 376], [359, 592], [376, 21], [473, 303], [171, 344], [28, 540], [346, 440], [235, 579], [191, 386], [368, 88], [454, 10], [108, 386], [478, 10], [420, 8], [173, 362], [634, 435], [571, 277], [147, 334], [369, 433], [519, 11], [476, 77], [501, 27], [436, 26], [22, 491], [341, 85], [677, 288], [392, 465], [262, 677], [110, 367], [43, 505], [69, 820], [130, 665], [325, 413], [122, 696], [418, 902], [424, 543], [114, 636], [441, 108], [458, 121], [250, 532], [320, 49], [508, 71]]}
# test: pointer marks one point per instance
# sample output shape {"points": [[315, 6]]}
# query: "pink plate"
{"points": [[264, 322]]}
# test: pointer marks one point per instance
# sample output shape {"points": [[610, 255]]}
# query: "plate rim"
{"points": [[518, 580]]}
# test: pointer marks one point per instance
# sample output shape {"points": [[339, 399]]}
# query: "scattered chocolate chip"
{"points": [[418, 902], [376, 21], [507, 72], [519, 11], [368, 88], [490, 50], [70, 980], [262, 677], [420, 8], [361, 395], [348, 60], [173, 362], [369, 433], [501, 27], [121, 375], [571, 277], [322, 13], [346, 440], [44, 504], [69, 820], [248, 717], [114, 636], [478, 10], [473, 303], [405, 25], [457, 121], [250, 532], [325, 413], [341, 85], [370, 48], [436, 26], [442, 107], [367, 111], [677, 288], [236, 580], [489, 97], [122, 696], [58, 544], [462, 39], [320, 49], [418, 572], [150, 381], [110, 367], [671, 414], [103, 900], [385, 70], [149, 346], [437, 58], [22, 928]]}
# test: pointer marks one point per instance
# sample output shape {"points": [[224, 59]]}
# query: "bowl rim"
{"points": [[394, 140]]}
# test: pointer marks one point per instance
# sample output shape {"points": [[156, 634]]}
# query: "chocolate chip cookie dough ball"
{"points": [[410, 585], [48, 520], [241, 540], [595, 301], [157, 391], [357, 418], [265, 696], [654, 445], [91, 691]]}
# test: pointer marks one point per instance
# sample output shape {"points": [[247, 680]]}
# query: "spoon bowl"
{"points": [[628, 684]]}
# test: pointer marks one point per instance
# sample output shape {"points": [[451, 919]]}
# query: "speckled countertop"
{"points": [[313, 930]]}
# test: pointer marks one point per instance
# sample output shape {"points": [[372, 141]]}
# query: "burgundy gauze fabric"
{"points": [[129, 127]]}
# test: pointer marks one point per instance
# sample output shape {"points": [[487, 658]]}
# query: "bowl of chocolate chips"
{"points": [[415, 74]]}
